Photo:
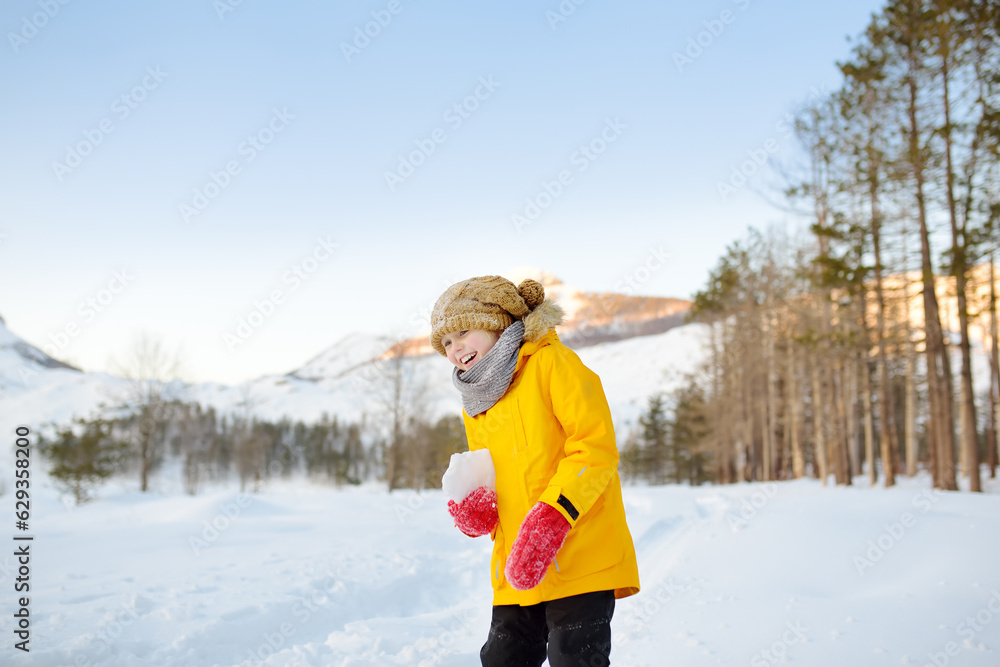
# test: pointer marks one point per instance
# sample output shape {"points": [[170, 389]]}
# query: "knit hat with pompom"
{"points": [[492, 303]]}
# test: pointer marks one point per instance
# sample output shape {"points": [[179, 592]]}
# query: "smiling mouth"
{"points": [[468, 358]]}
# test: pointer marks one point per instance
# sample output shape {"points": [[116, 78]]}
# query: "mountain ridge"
{"points": [[611, 332]]}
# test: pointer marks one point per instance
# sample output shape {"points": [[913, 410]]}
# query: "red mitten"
{"points": [[477, 513], [540, 536]]}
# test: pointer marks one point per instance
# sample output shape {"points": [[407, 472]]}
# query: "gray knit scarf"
{"points": [[482, 385]]}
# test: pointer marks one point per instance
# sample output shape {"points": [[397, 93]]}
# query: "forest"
{"points": [[846, 349], [831, 353]]}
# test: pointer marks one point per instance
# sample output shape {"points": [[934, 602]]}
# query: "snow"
{"points": [[345, 355], [466, 472], [299, 574], [340, 383], [306, 575], [634, 369]]}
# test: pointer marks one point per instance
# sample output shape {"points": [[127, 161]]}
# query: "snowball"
{"points": [[468, 471]]}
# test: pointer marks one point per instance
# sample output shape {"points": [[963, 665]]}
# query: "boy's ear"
{"points": [[545, 316]]}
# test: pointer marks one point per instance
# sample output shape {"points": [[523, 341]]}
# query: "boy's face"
{"points": [[466, 348]]}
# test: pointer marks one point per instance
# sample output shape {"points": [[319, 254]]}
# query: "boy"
{"points": [[562, 552]]}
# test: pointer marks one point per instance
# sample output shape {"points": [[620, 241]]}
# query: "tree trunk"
{"points": [[795, 405], [888, 444], [866, 403], [852, 418], [941, 433], [910, 408], [773, 456], [910, 418], [819, 421], [843, 460], [995, 374], [960, 271]]}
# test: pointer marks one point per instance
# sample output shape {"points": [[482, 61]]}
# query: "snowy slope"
{"points": [[35, 389], [345, 355], [590, 317], [632, 370], [300, 576], [344, 379]]}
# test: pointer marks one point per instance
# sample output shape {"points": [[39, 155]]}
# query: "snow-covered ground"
{"points": [[754, 574]]}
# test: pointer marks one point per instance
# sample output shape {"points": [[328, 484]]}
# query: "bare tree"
{"points": [[152, 391], [249, 446], [401, 394]]}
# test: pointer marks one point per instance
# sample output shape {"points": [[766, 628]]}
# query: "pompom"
{"points": [[532, 292]]}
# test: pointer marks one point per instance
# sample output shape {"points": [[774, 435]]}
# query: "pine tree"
{"points": [[653, 450], [689, 430], [80, 462]]}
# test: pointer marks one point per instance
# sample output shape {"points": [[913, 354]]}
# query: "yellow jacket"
{"points": [[552, 439]]}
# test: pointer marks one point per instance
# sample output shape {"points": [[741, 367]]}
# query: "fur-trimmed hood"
{"points": [[545, 316]]}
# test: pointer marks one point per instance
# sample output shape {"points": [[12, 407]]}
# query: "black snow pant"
{"points": [[577, 630]]}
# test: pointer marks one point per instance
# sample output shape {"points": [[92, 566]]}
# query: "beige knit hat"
{"points": [[492, 303]]}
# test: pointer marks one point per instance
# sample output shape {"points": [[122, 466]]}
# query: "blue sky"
{"points": [[210, 150]]}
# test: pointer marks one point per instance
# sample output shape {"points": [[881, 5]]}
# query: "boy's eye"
{"points": [[462, 333]]}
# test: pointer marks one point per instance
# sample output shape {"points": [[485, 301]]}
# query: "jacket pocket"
{"points": [[592, 545], [517, 426]]}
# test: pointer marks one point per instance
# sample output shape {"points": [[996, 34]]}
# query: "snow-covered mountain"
{"points": [[35, 388], [17, 355], [635, 343], [591, 317], [346, 355]]}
